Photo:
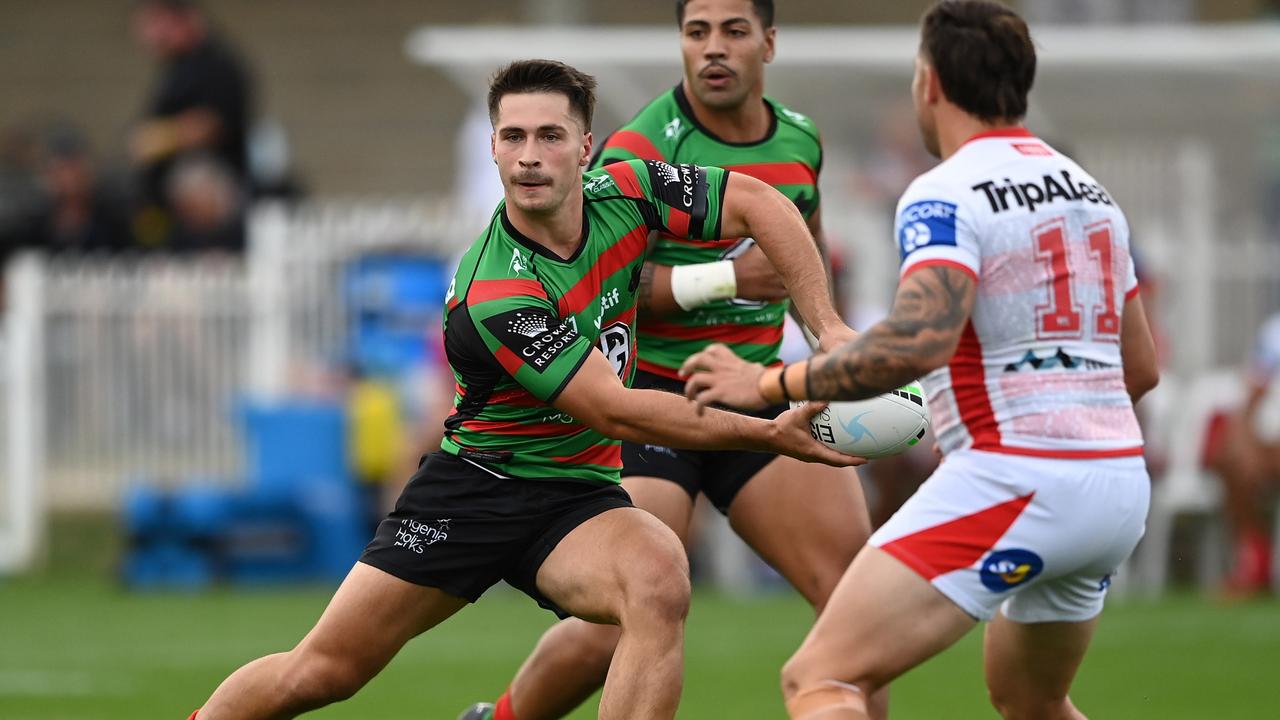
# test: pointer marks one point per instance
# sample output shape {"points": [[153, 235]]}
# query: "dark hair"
{"points": [[983, 55], [532, 76], [763, 8]]}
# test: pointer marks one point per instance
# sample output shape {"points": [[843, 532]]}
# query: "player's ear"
{"points": [[493, 147], [933, 86], [587, 141], [770, 40]]}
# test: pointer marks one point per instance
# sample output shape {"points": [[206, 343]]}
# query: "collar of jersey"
{"points": [[1009, 132], [541, 249], [682, 102]]}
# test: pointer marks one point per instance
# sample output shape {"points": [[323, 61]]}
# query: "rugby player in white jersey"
{"points": [[1017, 304]]}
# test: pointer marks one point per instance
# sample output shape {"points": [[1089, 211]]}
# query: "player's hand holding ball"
{"points": [[796, 437], [717, 376]]}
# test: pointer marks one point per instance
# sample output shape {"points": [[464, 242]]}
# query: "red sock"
{"points": [[502, 709]]}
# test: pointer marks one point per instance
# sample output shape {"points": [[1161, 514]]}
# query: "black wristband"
{"points": [[782, 380]]}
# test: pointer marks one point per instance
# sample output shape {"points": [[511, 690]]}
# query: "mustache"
{"points": [[716, 64], [530, 176]]}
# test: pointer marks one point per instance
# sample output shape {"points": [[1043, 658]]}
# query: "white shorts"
{"points": [[1040, 536]]}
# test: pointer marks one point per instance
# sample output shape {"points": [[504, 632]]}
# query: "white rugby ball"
{"points": [[876, 427]]}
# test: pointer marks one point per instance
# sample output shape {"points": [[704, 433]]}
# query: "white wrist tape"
{"points": [[696, 285]]}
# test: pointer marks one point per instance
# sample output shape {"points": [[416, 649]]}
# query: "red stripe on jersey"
{"points": [[452, 303], [944, 263], [501, 427], [782, 173], [607, 455], [957, 543], [678, 222], [634, 143], [721, 243], [486, 290], [725, 332], [1009, 132], [1032, 149], [1067, 454], [619, 255], [1132, 292], [509, 360], [625, 176], [969, 385], [515, 397]]}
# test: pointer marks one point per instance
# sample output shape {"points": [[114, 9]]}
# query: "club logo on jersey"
{"points": [[924, 224], [536, 336], [599, 183], [683, 187], [518, 262], [671, 129], [615, 343], [1004, 570], [795, 117]]}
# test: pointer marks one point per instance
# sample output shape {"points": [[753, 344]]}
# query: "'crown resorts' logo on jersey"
{"points": [[671, 129], [667, 172], [518, 262], [530, 326]]}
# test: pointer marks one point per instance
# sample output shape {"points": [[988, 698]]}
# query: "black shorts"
{"points": [[461, 529], [718, 474]]}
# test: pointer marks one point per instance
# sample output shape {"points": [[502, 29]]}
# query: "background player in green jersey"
{"points": [[526, 487], [807, 521]]}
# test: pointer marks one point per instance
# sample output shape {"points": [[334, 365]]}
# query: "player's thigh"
{"points": [[808, 521], [664, 499], [371, 616], [882, 620], [614, 561], [1032, 664]]}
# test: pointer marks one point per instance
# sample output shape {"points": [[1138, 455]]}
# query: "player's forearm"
{"points": [[654, 296], [920, 334], [781, 233], [659, 418]]}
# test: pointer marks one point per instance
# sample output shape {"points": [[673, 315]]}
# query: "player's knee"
{"points": [[659, 590], [1015, 705], [313, 680]]}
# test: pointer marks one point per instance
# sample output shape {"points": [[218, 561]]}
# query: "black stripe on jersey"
{"points": [[648, 212], [470, 357]]}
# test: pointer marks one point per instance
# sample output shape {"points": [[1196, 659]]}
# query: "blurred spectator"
{"points": [[19, 185], [207, 206], [896, 159], [1248, 460], [201, 104], [74, 213]]}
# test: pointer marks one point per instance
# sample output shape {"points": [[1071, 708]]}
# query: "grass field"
{"points": [[79, 650]]}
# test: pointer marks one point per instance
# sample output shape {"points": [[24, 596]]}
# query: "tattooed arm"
{"points": [[929, 315]]}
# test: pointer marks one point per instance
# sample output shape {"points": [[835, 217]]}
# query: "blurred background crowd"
{"points": [[215, 193]]}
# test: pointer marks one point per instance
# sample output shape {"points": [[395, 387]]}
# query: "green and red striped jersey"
{"points": [[788, 158], [520, 320]]}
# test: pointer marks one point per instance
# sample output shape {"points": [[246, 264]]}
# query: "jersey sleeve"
{"points": [[533, 345], [623, 145], [681, 200], [934, 228]]}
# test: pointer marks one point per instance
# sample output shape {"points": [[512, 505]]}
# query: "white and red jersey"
{"points": [[1037, 371]]}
